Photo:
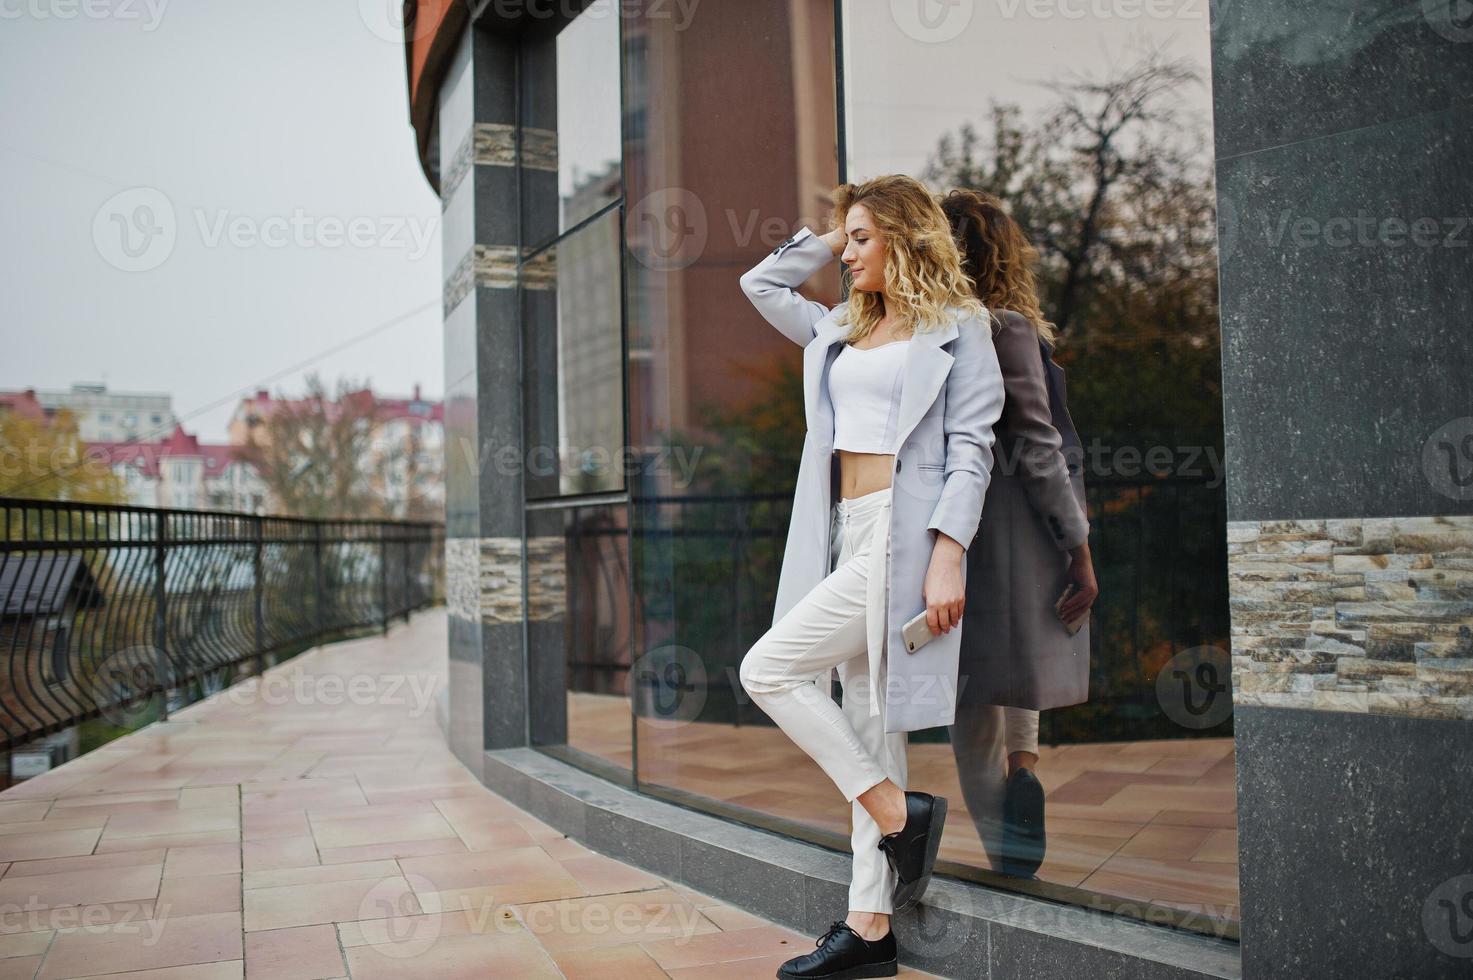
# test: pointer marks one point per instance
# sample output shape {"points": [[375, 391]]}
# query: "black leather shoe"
{"points": [[843, 953], [1023, 840], [912, 849]]}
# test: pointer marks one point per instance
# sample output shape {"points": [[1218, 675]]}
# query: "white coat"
{"points": [[951, 396]]}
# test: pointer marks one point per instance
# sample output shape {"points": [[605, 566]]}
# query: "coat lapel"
{"points": [[926, 368]]}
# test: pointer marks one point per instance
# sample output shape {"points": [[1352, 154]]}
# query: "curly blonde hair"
{"points": [[997, 256], [923, 267]]}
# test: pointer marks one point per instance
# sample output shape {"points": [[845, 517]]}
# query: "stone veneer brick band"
{"points": [[1363, 615], [483, 579]]}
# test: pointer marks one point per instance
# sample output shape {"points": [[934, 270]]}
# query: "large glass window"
{"points": [[572, 306], [573, 356], [570, 128], [731, 149], [1094, 126], [1096, 132]]}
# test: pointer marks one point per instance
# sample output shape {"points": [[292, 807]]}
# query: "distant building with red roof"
{"points": [[407, 445], [181, 471]]}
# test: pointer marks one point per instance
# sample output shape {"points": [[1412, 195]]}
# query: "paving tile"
{"points": [[25, 943], [23, 811], [318, 874], [111, 845], [601, 875], [452, 871], [380, 830], [211, 859], [467, 957], [278, 852], [79, 819], [19, 967], [203, 895], [91, 887], [396, 849], [85, 862], [728, 918], [764, 966], [613, 920], [266, 824], [200, 820], [722, 947], [563, 847], [213, 796], [110, 799], [423, 927], [326, 902], [63, 843], [148, 945], [1220, 845], [303, 953], [71, 917], [220, 970], [609, 963], [300, 794]]}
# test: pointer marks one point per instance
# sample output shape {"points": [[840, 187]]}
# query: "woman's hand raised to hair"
{"points": [[837, 240]]}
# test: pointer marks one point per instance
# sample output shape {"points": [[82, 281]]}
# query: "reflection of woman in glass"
{"points": [[1017, 656], [902, 384]]}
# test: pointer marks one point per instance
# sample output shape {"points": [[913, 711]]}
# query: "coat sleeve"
{"points": [[772, 284], [1044, 473], [974, 399]]}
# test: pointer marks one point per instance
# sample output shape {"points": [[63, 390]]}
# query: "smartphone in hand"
{"points": [[916, 633], [1078, 624]]}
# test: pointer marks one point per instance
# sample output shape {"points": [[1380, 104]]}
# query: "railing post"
{"points": [[407, 605], [260, 563], [161, 612], [321, 604], [383, 576]]}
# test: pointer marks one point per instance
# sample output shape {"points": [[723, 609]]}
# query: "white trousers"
{"points": [[787, 672], [982, 738]]}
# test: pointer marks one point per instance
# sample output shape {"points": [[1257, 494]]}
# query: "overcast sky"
{"points": [[272, 202], [202, 194], [916, 69]]}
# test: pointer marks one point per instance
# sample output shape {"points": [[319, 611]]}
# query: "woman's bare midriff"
{"points": [[862, 473]]}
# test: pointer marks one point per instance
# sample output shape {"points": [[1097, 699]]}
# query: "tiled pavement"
{"points": [[1153, 820], [314, 825]]}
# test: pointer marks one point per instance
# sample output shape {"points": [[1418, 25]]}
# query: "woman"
{"points": [[901, 389], [1017, 655]]}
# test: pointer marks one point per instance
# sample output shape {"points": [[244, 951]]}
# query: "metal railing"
{"points": [[104, 608], [709, 567]]}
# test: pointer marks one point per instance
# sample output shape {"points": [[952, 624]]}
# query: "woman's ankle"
{"points": [[1022, 760], [870, 926], [885, 803]]}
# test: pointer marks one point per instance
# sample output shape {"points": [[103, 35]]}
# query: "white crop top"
{"points": [[864, 387]]}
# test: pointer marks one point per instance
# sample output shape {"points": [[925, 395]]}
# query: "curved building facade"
{"points": [[1284, 556]]}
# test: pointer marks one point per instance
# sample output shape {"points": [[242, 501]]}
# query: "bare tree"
{"points": [[1110, 182], [314, 454]]}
